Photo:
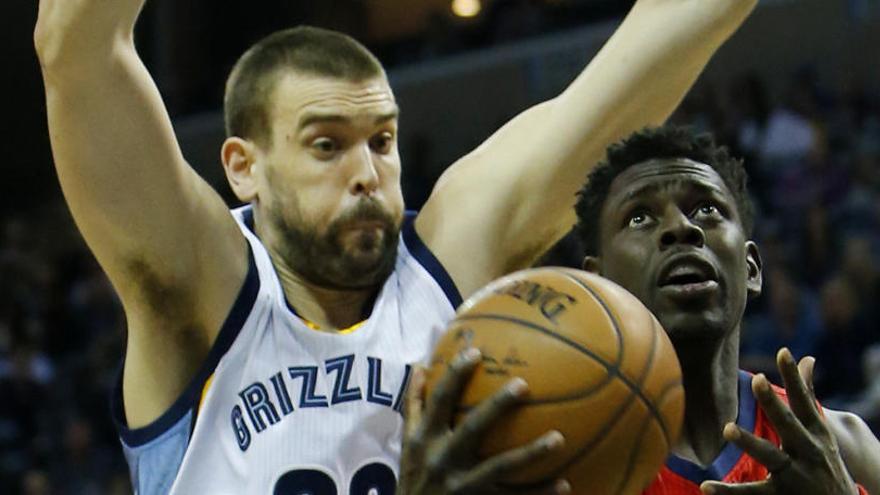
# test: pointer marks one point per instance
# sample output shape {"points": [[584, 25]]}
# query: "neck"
{"points": [[710, 374], [331, 309]]}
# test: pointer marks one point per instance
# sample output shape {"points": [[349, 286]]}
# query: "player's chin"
{"points": [[365, 241], [369, 266], [692, 325]]}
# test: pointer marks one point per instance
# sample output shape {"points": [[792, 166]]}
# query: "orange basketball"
{"points": [[600, 370]]}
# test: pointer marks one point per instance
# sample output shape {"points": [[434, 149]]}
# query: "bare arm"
{"points": [[859, 448], [505, 203], [163, 236]]}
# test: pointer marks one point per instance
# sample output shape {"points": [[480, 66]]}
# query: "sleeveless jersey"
{"points": [[681, 477], [278, 408]]}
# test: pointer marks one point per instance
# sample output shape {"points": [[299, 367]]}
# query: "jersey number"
{"points": [[372, 479]]}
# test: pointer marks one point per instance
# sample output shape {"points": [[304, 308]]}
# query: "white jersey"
{"points": [[281, 409]]}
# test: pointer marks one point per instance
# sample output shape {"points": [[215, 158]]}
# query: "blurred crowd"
{"points": [[813, 154], [61, 341]]}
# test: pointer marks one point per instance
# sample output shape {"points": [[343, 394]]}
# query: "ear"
{"points": [[239, 158], [755, 268], [591, 264]]}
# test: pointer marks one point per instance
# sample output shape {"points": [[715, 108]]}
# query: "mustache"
{"points": [[366, 210]]}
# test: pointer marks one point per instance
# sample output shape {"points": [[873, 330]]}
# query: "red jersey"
{"points": [[682, 477]]}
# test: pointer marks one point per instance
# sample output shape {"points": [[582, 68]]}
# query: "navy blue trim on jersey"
{"points": [[730, 454], [247, 216], [189, 398], [427, 259]]}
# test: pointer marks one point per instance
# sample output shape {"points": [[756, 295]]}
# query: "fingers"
{"points": [[800, 398], [415, 402], [445, 397], [470, 431], [805, 368], [558, 487], [754, 488], [774, 459], [795, 437], [495, 468]]}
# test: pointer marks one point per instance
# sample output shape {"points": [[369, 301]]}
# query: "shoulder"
{"points": [[849, 428], [859, 447]]}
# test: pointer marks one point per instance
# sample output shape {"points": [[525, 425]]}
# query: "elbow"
{"points": [[46, 45], [53, 51]]}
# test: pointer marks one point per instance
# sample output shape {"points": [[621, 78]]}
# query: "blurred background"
{"points": [[796, 93]]}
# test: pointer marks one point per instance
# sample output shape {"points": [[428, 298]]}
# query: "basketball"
{"points": [[600, 369]]}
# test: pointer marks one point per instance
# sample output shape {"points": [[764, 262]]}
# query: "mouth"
{"points": [[688, 276], [366, 225]]}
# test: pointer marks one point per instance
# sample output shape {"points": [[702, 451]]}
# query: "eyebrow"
{"points": [[312, 118]]}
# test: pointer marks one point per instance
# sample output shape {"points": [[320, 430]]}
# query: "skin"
{"points": [[679, 209], [684, 209], [332, 155]]}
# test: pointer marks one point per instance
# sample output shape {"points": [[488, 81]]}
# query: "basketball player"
{"points": [[268, 349], [673, 228]]}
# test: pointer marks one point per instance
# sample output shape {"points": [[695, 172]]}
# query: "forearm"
{"points": [[642, 73], [539, 160], [636, 80], [651, 61]]}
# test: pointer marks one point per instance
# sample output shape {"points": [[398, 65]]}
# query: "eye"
{"points": [[707, 210], [382, 143], [638, 219], [324, 146]]}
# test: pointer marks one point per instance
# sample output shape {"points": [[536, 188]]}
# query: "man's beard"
{"points": [[322, 259]]}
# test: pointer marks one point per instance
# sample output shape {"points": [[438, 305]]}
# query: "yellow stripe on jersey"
{"points": [[205, 389], [353, 327], [344, 331]]}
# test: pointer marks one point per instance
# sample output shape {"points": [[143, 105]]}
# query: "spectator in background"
{"points": [[23, 417], [751, 107], [856, 214], [789, 135], [817, 246], [36, 482], [839, 375], [859, 268], [83, 465], [791, 320]]}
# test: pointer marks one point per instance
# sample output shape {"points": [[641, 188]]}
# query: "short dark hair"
{"points": [[304, 49], [668, 141]]}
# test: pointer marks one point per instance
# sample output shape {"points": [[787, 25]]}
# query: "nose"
{"points": [[679, 229], [364, 178]]}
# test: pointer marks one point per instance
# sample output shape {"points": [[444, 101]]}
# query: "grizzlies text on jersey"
{"points": [[278, 408]]}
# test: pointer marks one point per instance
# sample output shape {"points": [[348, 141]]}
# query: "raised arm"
{"points": [[164, 237], [505, 203]]}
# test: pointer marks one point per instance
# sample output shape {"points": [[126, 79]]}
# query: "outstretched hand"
{"points": [[809, 461], [438, 459]]}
